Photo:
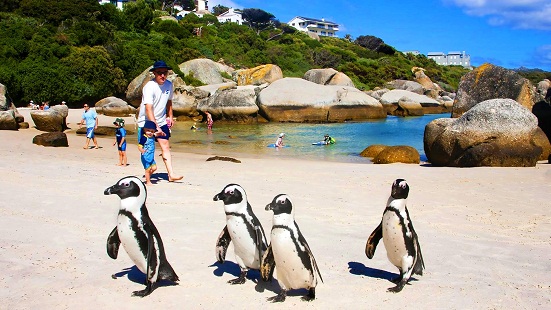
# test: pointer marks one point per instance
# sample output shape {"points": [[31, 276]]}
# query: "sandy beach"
{"points": [[485, 233]]}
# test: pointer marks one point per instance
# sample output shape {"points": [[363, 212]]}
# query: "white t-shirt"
{"points": [[158, 96]]}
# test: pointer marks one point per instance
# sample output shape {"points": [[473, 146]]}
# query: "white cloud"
{"points": [[227, 3], [522, 14]]}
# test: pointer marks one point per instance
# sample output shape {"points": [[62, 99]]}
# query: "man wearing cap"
{"points": [[156, 106]]}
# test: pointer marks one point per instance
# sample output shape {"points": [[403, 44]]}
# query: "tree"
{"points": [[257, 19], [187, 5], [138, 15], [219, 9]]}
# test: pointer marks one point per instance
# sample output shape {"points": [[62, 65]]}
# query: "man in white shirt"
{"points": [[157, 107]]}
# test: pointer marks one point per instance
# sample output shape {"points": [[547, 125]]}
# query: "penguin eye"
{"points": [[126, 184], [230, 192]]}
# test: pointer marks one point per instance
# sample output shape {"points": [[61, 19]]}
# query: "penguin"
{"points": [[243, 228], [289, 253], [138, 235], [400, 239]]}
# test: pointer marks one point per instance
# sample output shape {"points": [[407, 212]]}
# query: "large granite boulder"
{"points": [[541, 140], [496, 132], [206, 70], [390, 100], [113, 106], [397, 154], [491, 82], [4, 104], [298, 100], [233, 104], [102, 131], [328, 76], [258, 75], [408, 107], [134, 89], [51, 120], [431, 89], [7, 120], [411, 86], [542, 89], [373, 150], [54, 139], [210, 89]]}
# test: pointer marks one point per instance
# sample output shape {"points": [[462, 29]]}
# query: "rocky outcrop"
{"points": [[328, 76], [258, 75], [542, 90], [430, 88], [206, 70], [497, 133], [113, 106], [52, 120], [7, 120], [234, 104], [298, 100], [397, 154], [408, 107], [541, 140], [490, 82], [134, 89], [54, 139], [390, 100], [411, 86]]}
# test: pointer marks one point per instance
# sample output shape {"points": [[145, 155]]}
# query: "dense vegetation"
{"points": [[54, 50]]}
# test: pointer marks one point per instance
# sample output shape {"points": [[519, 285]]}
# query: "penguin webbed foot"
{"points": [[240, 280], [279, 297], [148, 290], [400, 285], [397, 279], [311, 295]]}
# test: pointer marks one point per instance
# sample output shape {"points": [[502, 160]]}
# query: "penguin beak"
{"points": [[269, 207], [217, 197], [111, 190]]}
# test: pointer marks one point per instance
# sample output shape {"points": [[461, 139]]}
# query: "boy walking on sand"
{"points": [[120, 141], [146, 145]]}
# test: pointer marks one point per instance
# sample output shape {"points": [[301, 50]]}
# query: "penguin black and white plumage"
{"points": [[138, 235], [243, 228], [400, 239], [289, 253]]}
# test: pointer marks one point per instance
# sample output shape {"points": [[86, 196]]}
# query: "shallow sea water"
{"points": [[352, 138]]}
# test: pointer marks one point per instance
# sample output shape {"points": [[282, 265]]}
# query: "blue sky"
{"points": [[507, 33]]}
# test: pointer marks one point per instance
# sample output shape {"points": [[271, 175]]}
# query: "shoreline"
{"points": [[484, 232]]}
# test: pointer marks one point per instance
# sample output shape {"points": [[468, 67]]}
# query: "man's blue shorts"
{"points": [[164, 128], [89, 132]]}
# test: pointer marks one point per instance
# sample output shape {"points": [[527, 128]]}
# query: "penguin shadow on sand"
{"points": [[360, 269], [135, 275], [253, 275]]}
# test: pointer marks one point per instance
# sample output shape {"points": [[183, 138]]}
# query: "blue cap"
{"points": [[150, 125], [160, 64]]}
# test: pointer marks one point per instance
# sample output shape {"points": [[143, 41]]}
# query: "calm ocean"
{"points": [[352, 138]]}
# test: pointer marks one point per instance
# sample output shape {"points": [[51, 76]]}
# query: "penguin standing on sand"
{"points": [[289, 253], [401, 242], [138, 235], [243, 228]]}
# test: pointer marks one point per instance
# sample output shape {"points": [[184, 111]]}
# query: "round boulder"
{"points": [[51, 139], [233, 104], [398, 154], [496, 133], [50, 120], [258, 75], [373, 150], [7, 120], [328, 76], [113, 106]]}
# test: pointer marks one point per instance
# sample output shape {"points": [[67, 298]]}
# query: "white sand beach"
{"points": [[485, 233]]}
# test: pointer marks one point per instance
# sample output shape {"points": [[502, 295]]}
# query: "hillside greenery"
{"points": [[52, 50]]}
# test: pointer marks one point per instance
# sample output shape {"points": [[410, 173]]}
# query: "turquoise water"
{"points": [[352, 138]]}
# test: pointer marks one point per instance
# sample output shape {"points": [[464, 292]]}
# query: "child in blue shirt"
{"points": [[146, 145], [120, 141]]}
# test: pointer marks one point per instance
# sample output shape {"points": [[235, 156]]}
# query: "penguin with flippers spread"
{"points": [[243, 228], [400, 239], [138, 235]]}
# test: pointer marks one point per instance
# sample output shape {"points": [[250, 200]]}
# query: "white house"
{"points": [[201, 8], [319, 26], [118, 3], [452, 58], [231, 15]]}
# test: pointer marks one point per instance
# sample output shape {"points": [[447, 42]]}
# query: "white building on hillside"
{"points": [[319, 26], [118, 3], [452, 58], [231, 16], [201, 8]]}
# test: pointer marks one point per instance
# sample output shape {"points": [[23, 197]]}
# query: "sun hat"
{"points": [[149, 125], [160, 64], [281, 134], [119, 121]]}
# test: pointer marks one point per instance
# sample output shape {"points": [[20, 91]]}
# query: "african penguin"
{"points": [[289, 253], [243, 228], [401, 242], [138, 235]]}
